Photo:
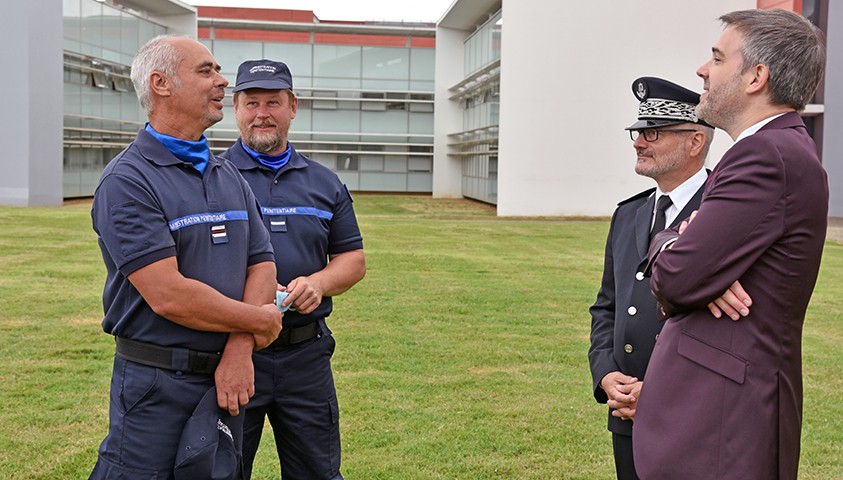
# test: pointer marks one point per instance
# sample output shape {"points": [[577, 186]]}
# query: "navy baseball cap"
{"points": [[265, 74], [211, 444], [663, 103]]}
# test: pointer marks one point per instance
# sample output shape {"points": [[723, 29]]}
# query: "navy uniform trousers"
{"points": [[148, 409], [294, 388]]}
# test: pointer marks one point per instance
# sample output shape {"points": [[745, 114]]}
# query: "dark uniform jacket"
{"points": [[624, 319]]}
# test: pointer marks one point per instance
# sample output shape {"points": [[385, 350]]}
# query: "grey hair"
{"points": [[159, 55], [791, 47]]}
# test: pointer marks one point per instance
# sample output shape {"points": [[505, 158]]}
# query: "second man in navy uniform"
{"points": [[319, 254], [671, 144]]}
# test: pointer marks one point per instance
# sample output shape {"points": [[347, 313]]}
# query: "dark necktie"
{"points": [[662, 205]]}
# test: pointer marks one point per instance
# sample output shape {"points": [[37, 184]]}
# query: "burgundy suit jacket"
{"points": [[723, 398]]}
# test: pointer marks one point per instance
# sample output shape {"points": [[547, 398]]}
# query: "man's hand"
{"points": [[685, 223], [304, 294], [266, 336], [235, 375], [626, 411], [622, 391], [734, 302]]}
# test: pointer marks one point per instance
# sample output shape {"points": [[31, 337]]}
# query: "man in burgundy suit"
{"points": [[723, 397]]}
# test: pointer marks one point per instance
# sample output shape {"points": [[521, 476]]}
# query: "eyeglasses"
{"points": [[652, 134]]}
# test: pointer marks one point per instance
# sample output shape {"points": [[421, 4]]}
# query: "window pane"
{"points": [[336, 121], [386, 63], [421, 123], [422, 64], [302, 121], [130, 32], [71, 11], [396, 164], [231, 53], [297, 56], [371, 163], [337, 61], [92, 23], [390, 121]]}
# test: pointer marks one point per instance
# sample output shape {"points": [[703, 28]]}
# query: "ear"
{"points": [[758, 76], [697, 141], [234, 100], [160, 84], [294, 105]]}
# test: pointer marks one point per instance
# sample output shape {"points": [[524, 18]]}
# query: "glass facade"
{"points": [[479, 99], [366, 112], [101, 111]]}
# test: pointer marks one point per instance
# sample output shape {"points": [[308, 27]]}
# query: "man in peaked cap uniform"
{"points": [[319, 254], [671, 145]]}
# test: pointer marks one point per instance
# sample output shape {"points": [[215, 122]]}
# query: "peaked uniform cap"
{"points": [[663, 103]]}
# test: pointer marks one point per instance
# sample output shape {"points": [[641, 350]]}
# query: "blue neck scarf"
{"points": [[196, 153], [275, 162]]}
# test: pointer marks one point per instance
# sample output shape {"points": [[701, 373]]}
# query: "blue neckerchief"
{"points": [[275, 162], [196, 153]]}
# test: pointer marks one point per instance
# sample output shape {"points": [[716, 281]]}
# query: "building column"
{"points": [[447, 116], [832, 144], [32, 117]]}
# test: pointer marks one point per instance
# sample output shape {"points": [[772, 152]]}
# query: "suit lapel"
{"points": [[689, 207]]}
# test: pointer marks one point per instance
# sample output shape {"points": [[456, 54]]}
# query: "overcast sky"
{"points": [[393, 10]]}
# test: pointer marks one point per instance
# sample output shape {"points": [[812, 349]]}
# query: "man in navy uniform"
{"points": [[319, 254], [671, 145], [190, 273]]}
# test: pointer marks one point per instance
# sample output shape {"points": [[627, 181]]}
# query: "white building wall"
{"points": [[566, 96], [833, 103], [31, 123]]}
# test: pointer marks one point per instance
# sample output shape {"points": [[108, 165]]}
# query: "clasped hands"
{"points": [[623, 392]]}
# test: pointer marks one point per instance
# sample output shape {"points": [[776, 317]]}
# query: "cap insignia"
{"points": [[641, 91]]}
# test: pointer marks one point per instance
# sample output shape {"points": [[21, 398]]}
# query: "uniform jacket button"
{"points": [[632, 310], [627, 348]]}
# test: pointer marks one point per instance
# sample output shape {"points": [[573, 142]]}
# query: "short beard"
{"points": [[264, 143]]}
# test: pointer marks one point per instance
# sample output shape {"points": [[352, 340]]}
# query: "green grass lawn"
{"points": [[461, 355]]}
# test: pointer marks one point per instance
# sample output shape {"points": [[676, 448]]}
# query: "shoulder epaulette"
{"points": [[645, 193]]}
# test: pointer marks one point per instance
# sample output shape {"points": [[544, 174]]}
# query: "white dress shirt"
{"points": [[680, 196]]}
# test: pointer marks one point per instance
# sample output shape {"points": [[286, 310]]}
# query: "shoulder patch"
{"points": [[645, 193]]}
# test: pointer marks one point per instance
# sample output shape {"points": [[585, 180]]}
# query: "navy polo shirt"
{"points": [[149, 205], [309, 214]]}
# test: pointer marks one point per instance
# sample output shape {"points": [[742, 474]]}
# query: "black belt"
{"points": [[294, 335], [178, 359]]}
